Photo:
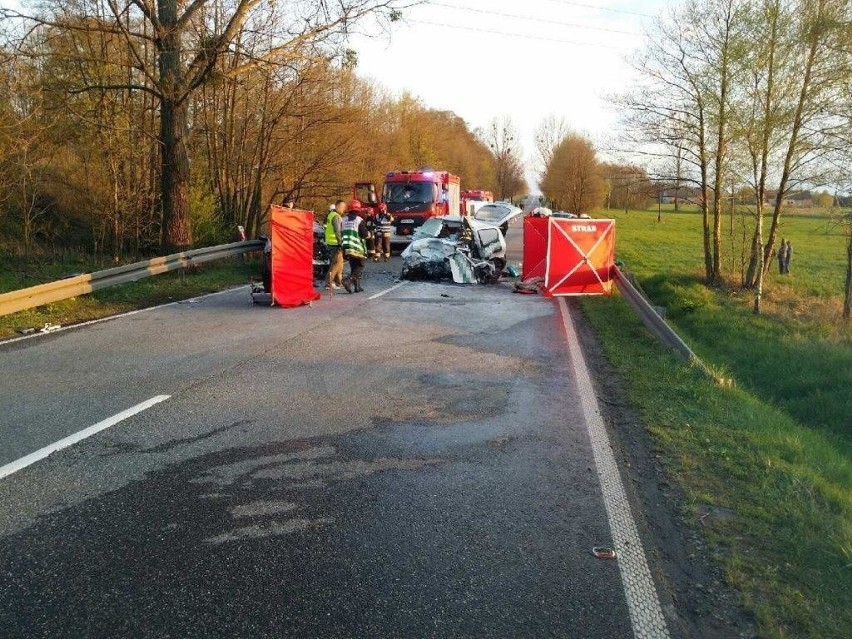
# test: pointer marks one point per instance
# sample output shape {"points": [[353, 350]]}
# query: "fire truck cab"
{"points": [[366, 194], [412, 197], [472, 200]]}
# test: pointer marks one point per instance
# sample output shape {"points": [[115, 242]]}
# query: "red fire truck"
{"points": [[412, 197], [485, 197], [366, 194]]}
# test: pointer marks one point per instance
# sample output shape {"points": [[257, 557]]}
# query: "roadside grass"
{"points": [[159, 289], [16, 273], [797, 355], [777, 448], [787, 547]]}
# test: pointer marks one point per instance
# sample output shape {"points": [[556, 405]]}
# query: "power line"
{"points": [[532, 18], [596, 8], [524, 36]]}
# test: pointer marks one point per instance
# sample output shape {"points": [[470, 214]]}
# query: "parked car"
{"points": [[571, 216]]}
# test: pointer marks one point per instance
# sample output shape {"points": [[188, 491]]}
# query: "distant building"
{"points": [[684, 195], [795, 199]]}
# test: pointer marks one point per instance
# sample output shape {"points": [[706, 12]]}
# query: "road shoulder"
{"points": [[695, 599]]}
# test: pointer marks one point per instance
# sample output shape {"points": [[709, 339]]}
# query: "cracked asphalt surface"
{"points": [[411, 466]]}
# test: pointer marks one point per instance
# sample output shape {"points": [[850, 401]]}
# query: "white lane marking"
{"points": [[23, 462], [387, 290], [646, 615], [119, 316]]}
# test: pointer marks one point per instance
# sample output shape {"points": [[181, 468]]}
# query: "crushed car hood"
{"points": [[427, 257], [509, 213]]}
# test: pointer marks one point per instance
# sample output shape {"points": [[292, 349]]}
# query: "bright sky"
{"points": [[487, 58]]}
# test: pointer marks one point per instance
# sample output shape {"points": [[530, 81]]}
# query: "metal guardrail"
{"points": [[26, 298], [658, 326]]}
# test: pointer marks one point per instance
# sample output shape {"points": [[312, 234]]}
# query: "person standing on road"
{"points": [[782, 256], [384, 231], [788, 255], [354, 246], [370, 221], [333, 239]]}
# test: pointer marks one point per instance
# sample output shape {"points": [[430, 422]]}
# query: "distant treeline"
{"points": [[102, 146]]}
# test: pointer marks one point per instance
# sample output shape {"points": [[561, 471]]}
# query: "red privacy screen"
{"points": [[535, 247], [580, 256], [292, 234]]}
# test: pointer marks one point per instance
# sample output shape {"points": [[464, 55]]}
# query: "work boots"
{"points": [[352, 284]]}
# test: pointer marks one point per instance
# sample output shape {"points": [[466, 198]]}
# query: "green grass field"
{"points": [[674, 245], [776, 449]]}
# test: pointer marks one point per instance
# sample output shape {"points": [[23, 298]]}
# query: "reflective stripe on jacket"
{"points": [[352, 242], [330, 230], [384, 223]]}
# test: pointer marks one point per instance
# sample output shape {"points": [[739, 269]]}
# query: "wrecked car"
{"points": [[496, 214], [463, 249]]}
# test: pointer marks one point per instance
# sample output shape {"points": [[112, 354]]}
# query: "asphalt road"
{"points": [[416, 465]]}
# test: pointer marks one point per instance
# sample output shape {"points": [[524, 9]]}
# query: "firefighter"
{"points": [[384, 231], [333, 237], [354, 246], [370, 221]]}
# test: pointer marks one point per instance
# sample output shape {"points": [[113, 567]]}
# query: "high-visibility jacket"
{"points": [[352, 242], [384, 223], [330, 230]]}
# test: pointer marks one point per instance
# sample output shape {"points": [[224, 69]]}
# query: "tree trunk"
{"points": [[758, 254], [793, 145], [174, 178], [847, 298], [174, 181], [755, 273], [705, 219], [719, 163]]}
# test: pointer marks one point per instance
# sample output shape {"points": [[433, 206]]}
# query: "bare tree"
{"points": [[843, 220], [675, 173], [548, 134], [173, 48], [502, 137], [718, 41], [847, 292], [806, 98], [672, 108]]}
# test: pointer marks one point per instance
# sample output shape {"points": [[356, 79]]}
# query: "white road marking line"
{"points": [[646, 615], [23, 462], [387, 290], [119, 316]]}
